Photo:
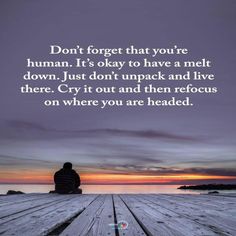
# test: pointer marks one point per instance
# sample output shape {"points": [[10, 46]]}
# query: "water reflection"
{"points": [[143, 189]]}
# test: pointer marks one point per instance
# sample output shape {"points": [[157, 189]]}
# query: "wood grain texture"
{"points": [[124, 214], [90, 215], [95, 220], [43, 221]]}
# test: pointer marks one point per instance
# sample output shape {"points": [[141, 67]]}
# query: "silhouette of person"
{"points": [[67, 180]]}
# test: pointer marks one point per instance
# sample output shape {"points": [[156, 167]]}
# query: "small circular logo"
{"points": [[122, 224]]}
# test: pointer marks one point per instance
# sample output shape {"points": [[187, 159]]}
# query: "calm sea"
{"points": [[37, 188]]}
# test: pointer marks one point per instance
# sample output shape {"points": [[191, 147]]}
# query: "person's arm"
{"points": [[77, 180], [55, 177]]}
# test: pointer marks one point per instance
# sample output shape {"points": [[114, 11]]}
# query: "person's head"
{"points": [[67, 166]]}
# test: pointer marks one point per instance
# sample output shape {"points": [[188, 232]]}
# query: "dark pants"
{"points": [[76, 191]]}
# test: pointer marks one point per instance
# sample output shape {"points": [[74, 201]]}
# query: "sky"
{"points": [[142, 145]]}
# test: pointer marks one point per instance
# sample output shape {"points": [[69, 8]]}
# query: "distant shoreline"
{"points": [[209, 187]]}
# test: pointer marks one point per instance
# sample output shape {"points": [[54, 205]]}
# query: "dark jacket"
{"points": [[66, 181]]}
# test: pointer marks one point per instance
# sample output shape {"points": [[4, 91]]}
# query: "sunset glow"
{"points": [[92, 178]]}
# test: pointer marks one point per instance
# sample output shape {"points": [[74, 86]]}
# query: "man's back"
{"points": [[66, 181]]}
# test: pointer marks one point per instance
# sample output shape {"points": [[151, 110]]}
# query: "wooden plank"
{"points": [[208, 200], [94, 220], [217, 221], [162, 215], [161, 221], [5, 198], [196, 203], [8, 200], [151, 221], [25, 205], [28, 211], [124, 215], [193, 202], [226, 195], [44, 221]]}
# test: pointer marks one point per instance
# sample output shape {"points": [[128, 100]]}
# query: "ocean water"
{"points": [[103, 189], [143, 189]]}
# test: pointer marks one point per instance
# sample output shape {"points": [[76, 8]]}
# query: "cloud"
{"points": [[166, 171], [189, 171], [213, 171], [149, 134], [10, 161], [29, 130]]}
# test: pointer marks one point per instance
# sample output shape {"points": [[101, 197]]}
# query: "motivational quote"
{"points": [[90, 76]]}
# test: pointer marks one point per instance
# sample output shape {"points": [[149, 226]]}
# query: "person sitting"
{"points": [[67, 180]]}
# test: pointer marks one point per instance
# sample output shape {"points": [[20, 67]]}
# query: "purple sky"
{"points": [[199, 139]]}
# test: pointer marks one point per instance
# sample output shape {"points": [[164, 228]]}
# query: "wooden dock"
{"points": [[117, 215]]}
